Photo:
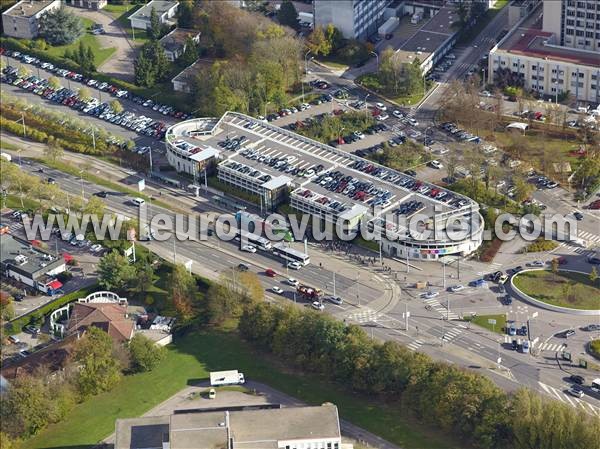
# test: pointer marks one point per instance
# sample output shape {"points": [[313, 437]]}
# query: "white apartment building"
{"points": [[575, 23], [356, 19], [21, 20]]}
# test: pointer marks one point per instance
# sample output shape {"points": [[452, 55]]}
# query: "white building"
{"points": [[270, 427], [534, 52], [576, 24], [165, 10], [22, 20], [356, 19], [175, 42]]}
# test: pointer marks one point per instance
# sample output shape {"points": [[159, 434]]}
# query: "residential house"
{"points": [[174, 43], [22, 20], [165, 10]]}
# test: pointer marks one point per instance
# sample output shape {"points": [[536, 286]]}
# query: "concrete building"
{"points": [[356, 19], [534, 52], [576, 24], [275, 163], [174, 43], [165, 10], [269, 427], [94, 5], [32, 266], [22, 20]]}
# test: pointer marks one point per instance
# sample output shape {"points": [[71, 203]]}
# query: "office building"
{"points": [[576, 24], [356, 19], [22, 20]]}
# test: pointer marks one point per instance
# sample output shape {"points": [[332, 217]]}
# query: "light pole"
{"points": [[306, 62], [340, 135], [82, 189], [377, 58], [93, 138], [366, 105]]}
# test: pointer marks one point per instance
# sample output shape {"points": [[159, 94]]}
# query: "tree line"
{"points": [[454, 400]]}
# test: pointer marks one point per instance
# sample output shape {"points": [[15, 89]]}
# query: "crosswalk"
{"points": [[435, 305], [556, 393], [453, 332], [550, 346], [415, 345], [366, 315]]}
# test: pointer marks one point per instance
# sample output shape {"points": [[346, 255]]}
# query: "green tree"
{"points": [[182, 289], [116, 106], [144, 71], [190, 54], [23, 72], [25, 408], [318, 43], [155, 26], [84, 94], [185, 14], [95, 206], [593, 275], [115, 271], [54, 83], [145, 355], [145, 277], [53, 151], [335, 37], [60, 27], [554, 267], [287, 15], [98, 370]]}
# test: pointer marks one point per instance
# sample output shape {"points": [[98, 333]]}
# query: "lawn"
{"points": [[88, 39], [565, 289], [370, 81], [482, 321], [18, 202], [190, 359], [121, 14]]}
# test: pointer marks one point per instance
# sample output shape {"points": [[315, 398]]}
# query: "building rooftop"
{"points": [[530, 40], [177, 38], [28, 8], [109, 317], [160, 6], [145, 432], [24, 257]]}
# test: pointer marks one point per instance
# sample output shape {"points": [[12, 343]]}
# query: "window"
{"points": [[570, 22], [570, 31], [593, 87]]}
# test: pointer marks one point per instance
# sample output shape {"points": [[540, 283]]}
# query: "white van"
{"points": [[138, 201]]}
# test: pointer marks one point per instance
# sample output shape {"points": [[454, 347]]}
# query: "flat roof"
{"points": [[177, 38], [26, 8], [160, 6], [23, 256], [144, 432], [530, 40]]}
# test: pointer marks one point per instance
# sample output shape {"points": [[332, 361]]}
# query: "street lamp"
{"points": [[366, 105], [306, 62], [377, 58], [340, 135], [82, 189]]}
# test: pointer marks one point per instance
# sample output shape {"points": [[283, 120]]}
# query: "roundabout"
{"points": [[564, 291]]}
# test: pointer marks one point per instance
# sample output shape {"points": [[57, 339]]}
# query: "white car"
{"points": [[537, 263], [381, 106], [430, 295], [317, 305], [382, 117], [359, 134], [293, 282], [294, 265], [397, 113], [95, 248], [277, 290], [413, 122], [435, 164], [336, 300], [457, 288], [249, 248]]}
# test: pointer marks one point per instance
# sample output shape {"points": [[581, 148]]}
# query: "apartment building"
{"points": [[576, 24], [356, 19], [22, 20]]}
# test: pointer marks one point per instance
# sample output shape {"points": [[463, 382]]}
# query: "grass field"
{"points": [[14, 202], [565, 289], [88, 39], [121, 14], [190, 360], [482, 321]]}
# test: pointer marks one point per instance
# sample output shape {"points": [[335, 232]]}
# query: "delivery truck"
{"points": [[231, 377]]}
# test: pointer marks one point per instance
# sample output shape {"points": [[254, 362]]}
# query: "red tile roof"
{"points": [[111, 318]]}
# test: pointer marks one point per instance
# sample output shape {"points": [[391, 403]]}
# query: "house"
{"points": [[165, 10], [26, 263], [94, 5], [174, 43], [22, 20], [268, 427], [184, 80]]}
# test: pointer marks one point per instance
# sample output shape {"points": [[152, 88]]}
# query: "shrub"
{"points": [[541, 245]]}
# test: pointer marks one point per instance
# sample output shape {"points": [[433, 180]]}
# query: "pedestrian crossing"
{"points": [[415, 345], [556, 393], [550, 347], [364, 316], [435, 305], [452, 333]]}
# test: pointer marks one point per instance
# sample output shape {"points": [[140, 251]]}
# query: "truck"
{"points": [[6, 156], [388, 26], [231, 377], [309, 292]]}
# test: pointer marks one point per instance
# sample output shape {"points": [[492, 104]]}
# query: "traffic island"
{"points": [[564, 291]]}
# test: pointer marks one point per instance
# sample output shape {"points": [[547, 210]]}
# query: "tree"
{"points": [[190, 54], [593, 275], [116, 106], [144, 72], [25, 408], [152, 65], [94, 206], [53, 151], [98, 370], [84, 94], [155, 26], [54, 83], [23, 72], [318, 43], [522, 190], [60, 27], [145, 355], [182, 289], [287, 15], [115, 271], [554, 267], [144, 277], [185, 14]]}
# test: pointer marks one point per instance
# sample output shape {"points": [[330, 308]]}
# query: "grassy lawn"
{"points": [[482, 321], [14, 202], [370, 81], [564, 289], [88, 39], [190, 359], [121, 13]]}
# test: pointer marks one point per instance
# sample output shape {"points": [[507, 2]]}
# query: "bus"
{"points": [[254, 240], [595, 387], [290, 254]]}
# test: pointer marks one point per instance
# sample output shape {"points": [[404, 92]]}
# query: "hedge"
{"points": [[15, 326]]}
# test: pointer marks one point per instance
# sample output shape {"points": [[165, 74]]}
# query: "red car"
{"points": [[270, 273]]}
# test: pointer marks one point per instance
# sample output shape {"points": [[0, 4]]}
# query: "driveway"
{"points": [[120, 64]]}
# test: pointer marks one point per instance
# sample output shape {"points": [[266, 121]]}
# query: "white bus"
{"points": [[595, 385], [290, 254], [254, 240]]}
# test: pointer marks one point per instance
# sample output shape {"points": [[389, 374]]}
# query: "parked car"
{"points": [[317, 305], [577, 379]]}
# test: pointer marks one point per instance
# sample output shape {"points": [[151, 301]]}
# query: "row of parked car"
{"points": [[459, 133], [284, 164], [358, 190]]}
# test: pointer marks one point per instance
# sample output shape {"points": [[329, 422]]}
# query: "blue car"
{"points": [[478, 283]]}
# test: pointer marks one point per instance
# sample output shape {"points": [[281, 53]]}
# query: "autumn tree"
{"points": [[182, 289]]}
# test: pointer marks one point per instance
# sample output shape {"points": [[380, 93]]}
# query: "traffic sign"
{"points": [[491, 321]]}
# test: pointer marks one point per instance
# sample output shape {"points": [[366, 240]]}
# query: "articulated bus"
{"points": [[254, 240], [290, 254]]}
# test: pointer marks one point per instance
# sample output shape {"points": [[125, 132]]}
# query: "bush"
{"points": [[144, 354], [594, 347], [541, 245]]}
